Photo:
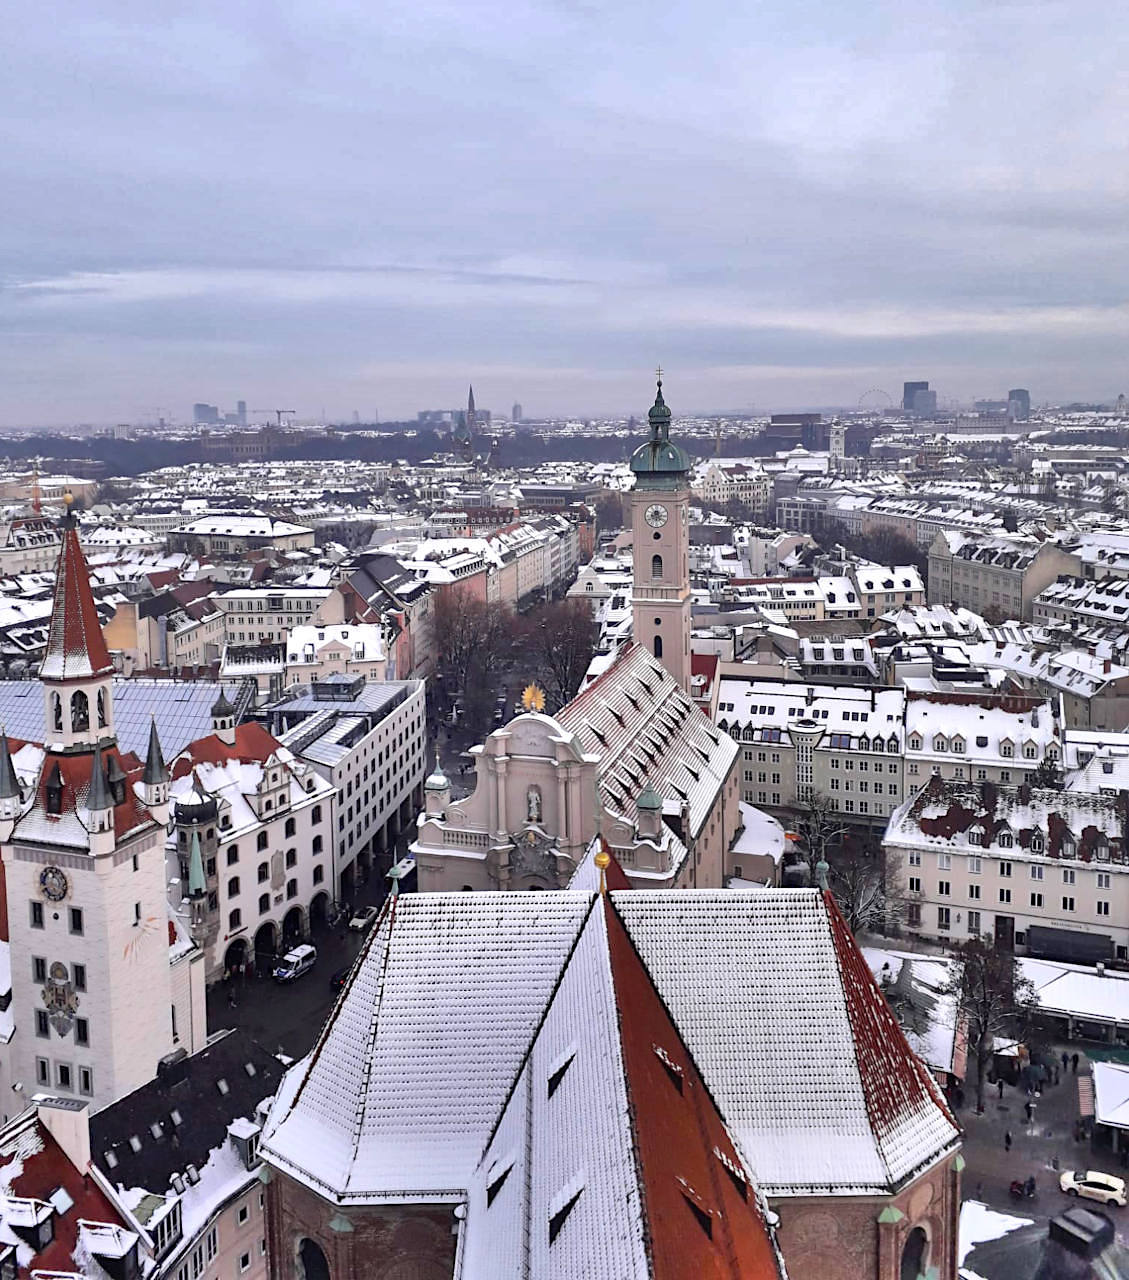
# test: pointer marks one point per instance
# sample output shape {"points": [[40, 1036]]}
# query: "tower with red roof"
{"points": [[82, 833]]}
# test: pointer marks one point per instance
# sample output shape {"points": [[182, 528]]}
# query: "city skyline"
{"points": [[338, 208]]}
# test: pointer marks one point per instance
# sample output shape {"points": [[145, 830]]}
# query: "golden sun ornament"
{"points": [[532, 698]]}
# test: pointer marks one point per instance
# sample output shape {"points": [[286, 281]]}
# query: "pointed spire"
{"points": [[221, 708], [99, 796], [76, 648], [9, 783], [196, 882], [155, 771]]}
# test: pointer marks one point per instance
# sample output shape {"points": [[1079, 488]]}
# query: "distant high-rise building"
{"points": [[1019, 404], [205, 414], [516, 415], [909, 390], [924, 403], [241, 412]]}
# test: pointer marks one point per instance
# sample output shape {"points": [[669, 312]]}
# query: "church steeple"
{"points": [[660, 509], [76, 671]]}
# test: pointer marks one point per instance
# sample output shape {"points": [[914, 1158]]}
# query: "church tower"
{"points": [[82, 834], [660, 523]]}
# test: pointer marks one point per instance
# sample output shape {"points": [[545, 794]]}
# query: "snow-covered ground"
{"points": [[979, 1223]]}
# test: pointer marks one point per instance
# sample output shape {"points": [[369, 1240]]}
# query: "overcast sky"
{"points": [[319, 204]]}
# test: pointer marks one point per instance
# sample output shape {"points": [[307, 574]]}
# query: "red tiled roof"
{"points": [[895, 1082], [75, 646], [700, 1202], [76, 771], [252, 742], [43, 1173]]}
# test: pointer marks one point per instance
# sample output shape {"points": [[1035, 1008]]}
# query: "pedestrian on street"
{"points": [[1029, 1108], [1065, 1059], [1074, 1061], [1000, 1086], [1007, 1140], [1056, 1075]]}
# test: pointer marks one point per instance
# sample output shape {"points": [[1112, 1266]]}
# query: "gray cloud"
{"points": [[347, 205]]}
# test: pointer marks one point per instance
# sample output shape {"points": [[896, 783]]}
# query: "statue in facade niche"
{"points": [[533, 804]]}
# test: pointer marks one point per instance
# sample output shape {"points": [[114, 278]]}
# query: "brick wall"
{"points": [[385, 1243]]}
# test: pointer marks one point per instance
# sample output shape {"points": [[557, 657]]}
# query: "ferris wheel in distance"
{"points": [[875, 401]]}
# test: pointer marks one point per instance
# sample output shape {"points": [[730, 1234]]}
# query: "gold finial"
{"points": [[603, 860], [68, 498], [532, 698]]}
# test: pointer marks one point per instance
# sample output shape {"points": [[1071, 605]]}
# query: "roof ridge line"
{"points": [[505, 1102]]}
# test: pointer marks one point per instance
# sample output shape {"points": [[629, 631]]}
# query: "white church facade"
{"points": [[631, 758]]}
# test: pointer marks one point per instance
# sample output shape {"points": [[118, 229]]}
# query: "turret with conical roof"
{"points": [[10, 798], [155, 779], [437, 789], [223, 719], [649, 807]]}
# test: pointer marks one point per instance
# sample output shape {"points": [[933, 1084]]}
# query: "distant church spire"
{"points": [[471, 415]]}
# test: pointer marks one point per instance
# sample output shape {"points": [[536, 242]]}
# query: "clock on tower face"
{"points": [[53, 884], [655, 515]]}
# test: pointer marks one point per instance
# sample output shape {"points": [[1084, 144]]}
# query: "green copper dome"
{"points": [[659, 463]]}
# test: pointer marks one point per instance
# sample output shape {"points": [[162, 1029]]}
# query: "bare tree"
{"points": [[820, 828], [869, 893], [993, 998], [558, 643], [473, 639]]}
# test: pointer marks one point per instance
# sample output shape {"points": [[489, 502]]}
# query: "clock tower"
{"points": [[82, 839], [660, 523]]}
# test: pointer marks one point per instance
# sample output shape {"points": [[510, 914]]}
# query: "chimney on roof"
{"points": [[68, 1122]]}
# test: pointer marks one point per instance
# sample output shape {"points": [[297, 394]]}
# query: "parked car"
{"points": [[339, 979], [295, 963], [1094, 1186], [363, 917]]}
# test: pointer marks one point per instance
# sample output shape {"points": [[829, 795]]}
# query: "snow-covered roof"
{"points": [[637, 718], [791, 1034]]}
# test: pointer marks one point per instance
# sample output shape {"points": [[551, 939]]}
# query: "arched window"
{"points": [[290, 828], [80, 711], [57, 710], [658, 646], [264, 872], [311, 1261], [656, 566], [102, 721], [915, 1255], [261, 842]]}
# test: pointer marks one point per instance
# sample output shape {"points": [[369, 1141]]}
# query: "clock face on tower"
{"points": [[53, 884], [655, 515]]}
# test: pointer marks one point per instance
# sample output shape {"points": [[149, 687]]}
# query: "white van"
{"points": [[295, 963]]}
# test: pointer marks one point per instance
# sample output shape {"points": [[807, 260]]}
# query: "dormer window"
{"points": [[940, 745], [915, 743]]}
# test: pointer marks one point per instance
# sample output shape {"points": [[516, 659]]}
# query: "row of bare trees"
{"points": [[482, 644]]}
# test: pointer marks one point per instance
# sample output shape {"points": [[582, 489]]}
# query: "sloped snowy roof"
{"points": [[637, 718], [792, 1036]]}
